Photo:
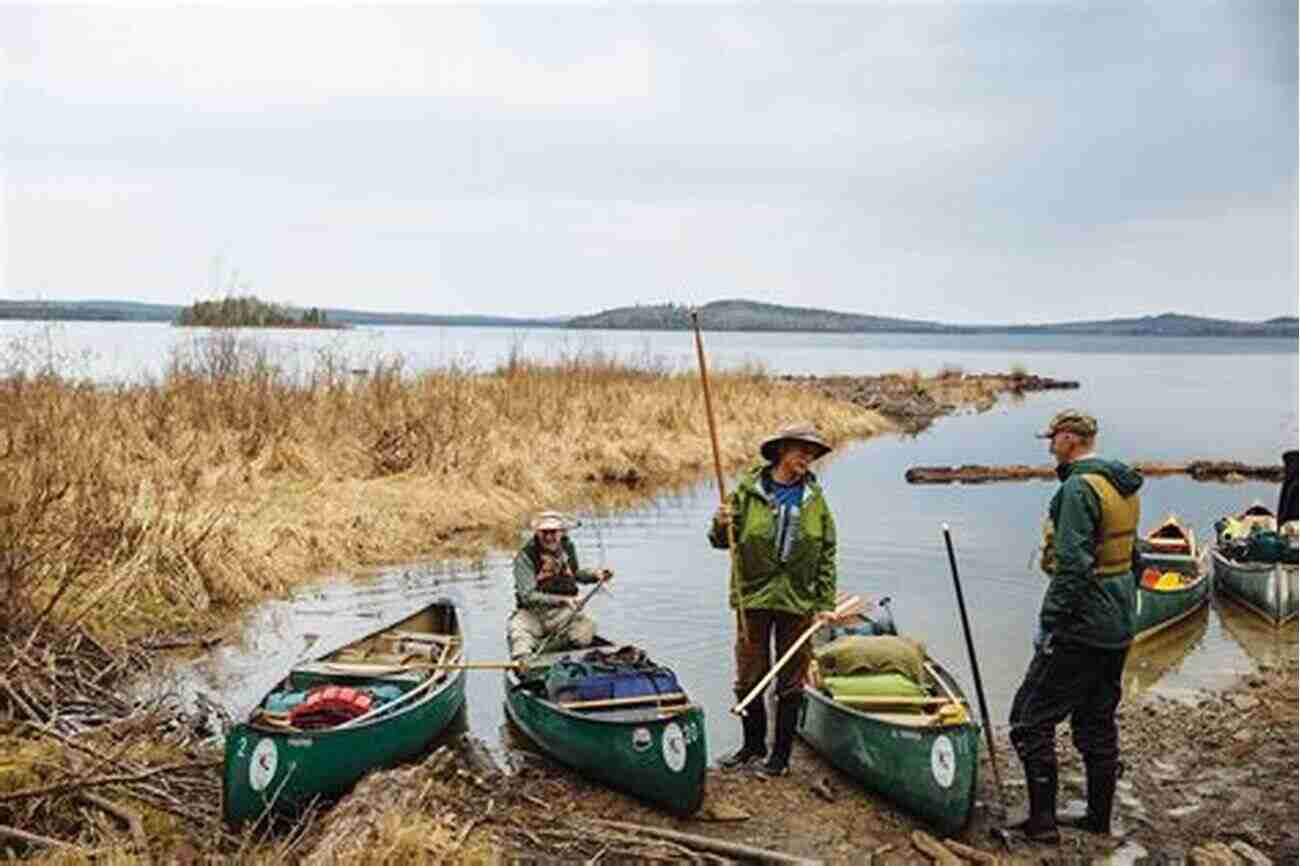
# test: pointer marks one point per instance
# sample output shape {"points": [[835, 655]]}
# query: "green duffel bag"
{"points": [[874, 686]]}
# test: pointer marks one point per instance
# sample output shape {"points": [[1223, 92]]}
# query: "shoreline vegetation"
{"points": [[136, 516], [723, 315]]}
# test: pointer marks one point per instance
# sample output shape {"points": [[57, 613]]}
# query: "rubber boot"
{"points": [[754, 748], [1040, 826], [787, 719], [1102, 779]]}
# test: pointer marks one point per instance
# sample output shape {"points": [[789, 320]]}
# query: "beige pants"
{"points": [[528, 628]]}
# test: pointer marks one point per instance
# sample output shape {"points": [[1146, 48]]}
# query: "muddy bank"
{"points": [[912, 402], [1218, 774]]}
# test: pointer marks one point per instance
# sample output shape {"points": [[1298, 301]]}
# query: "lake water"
{"points": [[1155, 398]]}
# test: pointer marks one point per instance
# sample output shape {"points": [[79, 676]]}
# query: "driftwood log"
{"points": [[1199, 470]]}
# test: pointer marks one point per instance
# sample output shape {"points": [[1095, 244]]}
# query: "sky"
{"points": [[965, 162]]}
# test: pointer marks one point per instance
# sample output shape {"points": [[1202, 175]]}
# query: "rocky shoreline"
{"points": [[913, 402]]}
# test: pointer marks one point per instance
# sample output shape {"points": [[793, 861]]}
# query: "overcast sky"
{"points": [[956, 161]]}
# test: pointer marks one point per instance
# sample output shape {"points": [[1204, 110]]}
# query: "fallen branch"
{"points": [[104, 780], [1199, 470], [932, 846], [33, 839], [131, 819], [973, 854], [704, 843]]}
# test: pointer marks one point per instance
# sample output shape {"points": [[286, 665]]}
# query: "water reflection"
{"points": [[1267, 646], [1163, 652]]}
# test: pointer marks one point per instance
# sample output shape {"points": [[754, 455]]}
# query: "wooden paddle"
{"points": [[546, 642], [850, 605], [717, 467]]}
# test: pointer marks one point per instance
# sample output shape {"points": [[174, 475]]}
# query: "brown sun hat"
{"points": [[1071, 421], [549, 520], [801, 432]]}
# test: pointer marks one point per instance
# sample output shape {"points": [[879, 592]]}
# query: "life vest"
{"points": [[327, 706], [1118, 530], [1116, 533]]}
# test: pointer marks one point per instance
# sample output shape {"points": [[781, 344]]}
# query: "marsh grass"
{"points": [[139, 507]]}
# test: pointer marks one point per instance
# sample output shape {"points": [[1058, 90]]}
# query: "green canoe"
{"points": [[920, 756], [1170, 547], [278, 762], [651, 747], [1267, 588]]}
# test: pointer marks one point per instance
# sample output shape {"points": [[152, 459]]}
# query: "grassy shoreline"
{"points": [[158, 506]]}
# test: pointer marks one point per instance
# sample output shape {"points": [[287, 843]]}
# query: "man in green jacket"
{"points": [[1084, 628], [546, 591], [782, 578]]}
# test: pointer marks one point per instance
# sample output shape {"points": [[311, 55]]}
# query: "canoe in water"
{"points": [[305, 740], [1162, 601], [650, 746], [921, 753], [1267, 588]]}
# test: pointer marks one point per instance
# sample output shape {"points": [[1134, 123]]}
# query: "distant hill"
{"points": [[725, 315], [736, 315]]}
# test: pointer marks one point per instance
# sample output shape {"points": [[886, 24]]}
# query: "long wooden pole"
{"points": [[975, 669], [717, 468], [844, 608]]}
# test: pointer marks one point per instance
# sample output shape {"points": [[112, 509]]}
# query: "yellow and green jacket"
{"points": [[803, 582], [1094, 514]]}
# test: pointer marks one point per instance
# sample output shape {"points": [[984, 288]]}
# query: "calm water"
{"points": [[1156, 399]]}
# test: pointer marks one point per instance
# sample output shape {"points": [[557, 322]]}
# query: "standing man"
{"points": [[783, 577], [1084, 628], [1287, 498], [546, 590]]}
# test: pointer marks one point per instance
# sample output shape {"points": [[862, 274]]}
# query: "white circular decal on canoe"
{"points": [[943, 761], [261, 769], [674, 747]]}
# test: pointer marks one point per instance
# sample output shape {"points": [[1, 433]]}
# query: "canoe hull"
{"points": [[1268, 589], [1159, 609], [930, 771], [659, 760], [273, 767], [284, 771]]}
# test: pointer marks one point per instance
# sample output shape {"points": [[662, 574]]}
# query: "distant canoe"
{"points": [[1267, 588], [907, 750], [273, 766], [1171, 546], [652, 746]]}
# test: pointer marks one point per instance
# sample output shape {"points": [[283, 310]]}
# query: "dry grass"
{"points": [[148, 506]]}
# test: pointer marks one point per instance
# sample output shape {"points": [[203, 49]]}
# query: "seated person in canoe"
{"points": [[546, 591]]}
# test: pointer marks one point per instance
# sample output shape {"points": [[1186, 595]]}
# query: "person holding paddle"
{"points": [[546, 590], [783, 580]]}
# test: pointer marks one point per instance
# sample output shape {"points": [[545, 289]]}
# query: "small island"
{"points": [[250, 312]]}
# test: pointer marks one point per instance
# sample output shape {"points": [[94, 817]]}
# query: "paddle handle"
{"points": [[841, 609]]}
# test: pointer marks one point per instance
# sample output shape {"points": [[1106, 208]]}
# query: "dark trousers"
{"points": [[1068, 680], [754, 650]]}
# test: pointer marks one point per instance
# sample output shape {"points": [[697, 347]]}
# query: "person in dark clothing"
{"points": [[1084, 630], [1287, 504]]}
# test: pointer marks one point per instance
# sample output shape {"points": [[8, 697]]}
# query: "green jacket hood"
{"points": [[1125, 479]]}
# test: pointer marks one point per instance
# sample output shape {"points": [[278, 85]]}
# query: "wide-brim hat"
{"points": [[549, 520], [802, 432]]}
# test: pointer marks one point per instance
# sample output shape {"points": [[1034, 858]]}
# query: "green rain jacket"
{"points": [[805, 583], [555, 592], [1079, 605]]}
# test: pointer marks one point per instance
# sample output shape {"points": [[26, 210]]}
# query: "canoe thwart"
{"points": [[623, 702]]}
